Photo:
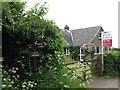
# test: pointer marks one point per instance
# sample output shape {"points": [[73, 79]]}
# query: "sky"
{"points": [[83, 14]]}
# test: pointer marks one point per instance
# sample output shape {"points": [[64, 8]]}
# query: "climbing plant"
{"points": [[74, 51]]}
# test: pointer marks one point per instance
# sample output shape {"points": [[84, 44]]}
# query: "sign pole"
{"points": [[106, 41], [102, 51]]}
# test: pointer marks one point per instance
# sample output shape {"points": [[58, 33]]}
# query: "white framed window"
{"points": [[67, 51], [82, 52], [98, 50]]}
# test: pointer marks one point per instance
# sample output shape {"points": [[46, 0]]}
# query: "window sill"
{"points": [[81, 54], [67, 54], [97, 53]]}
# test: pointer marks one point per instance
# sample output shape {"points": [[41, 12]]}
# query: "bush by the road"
{"points": [[112, 62]]}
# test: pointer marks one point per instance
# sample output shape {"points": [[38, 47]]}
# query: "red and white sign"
{"points": [[107, 38]]}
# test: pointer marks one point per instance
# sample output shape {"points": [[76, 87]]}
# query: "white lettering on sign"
{"points": [[107, 35], [107, 38]]}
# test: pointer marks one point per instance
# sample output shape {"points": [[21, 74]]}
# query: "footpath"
{"points": [[101, 82]]}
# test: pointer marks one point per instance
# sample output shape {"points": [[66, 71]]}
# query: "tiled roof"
{"points": [[78, 36], [67, 36]]}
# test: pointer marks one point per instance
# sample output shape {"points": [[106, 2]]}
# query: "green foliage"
{"points": [[59, 80], [74, 52], [11, 81], [76, 72], [24, 32], [112, 63]]}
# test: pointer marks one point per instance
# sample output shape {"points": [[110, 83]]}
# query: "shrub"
{"points": [[112, 62], [11, 80], [74, 51]]}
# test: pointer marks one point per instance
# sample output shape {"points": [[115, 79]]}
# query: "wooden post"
{"points": [[99, 65], [34, 60], [84, 70]]}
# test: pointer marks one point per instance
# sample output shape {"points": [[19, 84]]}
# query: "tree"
{"points": [[11, 15], [27, 31], [21, 32]]}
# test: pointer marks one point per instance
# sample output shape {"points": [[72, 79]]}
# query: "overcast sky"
{"points": [[84, 13]]}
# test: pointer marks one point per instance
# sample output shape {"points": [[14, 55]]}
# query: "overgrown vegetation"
{"points": [[25, 32], [74, 51], [78, 71], [112, 63]]}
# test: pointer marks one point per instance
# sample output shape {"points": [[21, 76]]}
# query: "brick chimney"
{"points": [[66, 27]]}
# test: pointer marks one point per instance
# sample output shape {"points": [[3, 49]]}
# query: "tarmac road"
{"points": [[100, 82]]}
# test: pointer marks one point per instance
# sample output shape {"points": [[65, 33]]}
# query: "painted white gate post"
{"points": [[102, 51]]}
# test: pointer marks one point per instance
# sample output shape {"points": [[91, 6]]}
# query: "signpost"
{"points": [[34, 60], [107, 38], [106, 42]]}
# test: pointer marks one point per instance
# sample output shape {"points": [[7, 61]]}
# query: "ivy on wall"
{"points": [[74, 51]]}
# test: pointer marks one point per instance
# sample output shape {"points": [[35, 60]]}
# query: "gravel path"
{"points": [[104, 83]]}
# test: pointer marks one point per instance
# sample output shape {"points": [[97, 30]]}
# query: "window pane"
{"points": [[67, 51], [97, 49], [82, 51], [100, 49]]}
